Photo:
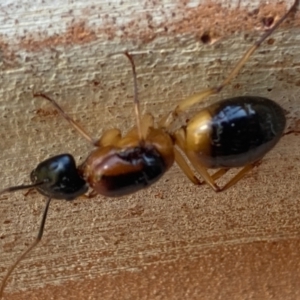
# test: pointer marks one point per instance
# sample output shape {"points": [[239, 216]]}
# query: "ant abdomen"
{"points": [[59, 177], [235, 132], [128, 166]]}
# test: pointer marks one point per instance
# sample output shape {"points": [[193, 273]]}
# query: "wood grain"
{"points": [[174, 240]]}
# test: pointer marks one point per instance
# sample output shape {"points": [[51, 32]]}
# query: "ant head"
{"points": [[60, 178]]}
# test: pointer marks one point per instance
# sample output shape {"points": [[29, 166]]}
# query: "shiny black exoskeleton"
{"points": [[60, 178], [251, 125], [237, 131]]}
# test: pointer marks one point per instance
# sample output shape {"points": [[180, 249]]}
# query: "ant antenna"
{"points": [[21, 187], [35, 242], [137, 108]]}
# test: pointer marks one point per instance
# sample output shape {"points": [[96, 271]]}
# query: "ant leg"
{"points": [[112, 137], [146, 123], [75, 125], [209, 179], [109, 137], [167, 120], [181, 162], [180, 142], [239, 176], [137, 108], [22, 256], [219, 173], [188, 102]]}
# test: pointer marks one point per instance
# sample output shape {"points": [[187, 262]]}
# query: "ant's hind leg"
{"points": [[183, 165], [185, 104], [239, 176], [188, 102], [180, 142], [202, 170], [210, 179], [187, 170]]}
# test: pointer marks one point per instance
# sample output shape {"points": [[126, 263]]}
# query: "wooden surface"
{"points": [[173, 240]]}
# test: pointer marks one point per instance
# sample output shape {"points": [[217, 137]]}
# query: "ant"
{"points": [[235, 132]]}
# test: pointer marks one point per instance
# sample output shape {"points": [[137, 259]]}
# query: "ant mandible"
{"points": [[231, 133]]}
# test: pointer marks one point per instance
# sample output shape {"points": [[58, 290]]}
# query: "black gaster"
{"points": [[61, 178], [244, 128]]}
